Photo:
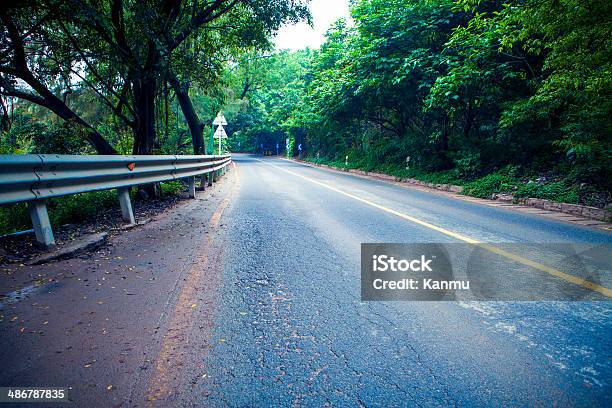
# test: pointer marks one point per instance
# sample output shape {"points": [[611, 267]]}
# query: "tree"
{"points": [[125, 50], [465, 88], [22, 58]]}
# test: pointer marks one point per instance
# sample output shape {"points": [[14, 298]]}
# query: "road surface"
{"points": [[250, 296]]}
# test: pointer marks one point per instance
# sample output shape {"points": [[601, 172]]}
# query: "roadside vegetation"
{"points": [[121, 77], [75, 208], [501, 97], [504, 181]]}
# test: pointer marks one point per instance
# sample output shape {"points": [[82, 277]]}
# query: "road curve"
{"points": [[291, 327], [250, 296]]}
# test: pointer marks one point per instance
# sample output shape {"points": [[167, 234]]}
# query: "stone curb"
{"points": [[593, 213], [82, 244]]}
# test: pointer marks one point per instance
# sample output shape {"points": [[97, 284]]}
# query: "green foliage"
{"points": [[488, 185], [266, 91], [29, 135], [107, 64], [72, 209], [463, 88], [77, 208], [556, 191], [62, 210], [440, 177], [171, 188], [14, 218]]}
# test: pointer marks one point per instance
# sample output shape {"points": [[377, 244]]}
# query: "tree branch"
{"points": [[200, 19]]}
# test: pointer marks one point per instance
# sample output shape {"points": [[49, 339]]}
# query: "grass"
{"points": [[71, 209], [556, 191], [442, 177], [488, 185], [503, 181]]}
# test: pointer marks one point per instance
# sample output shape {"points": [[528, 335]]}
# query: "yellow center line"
{"points": [[514, 257]]}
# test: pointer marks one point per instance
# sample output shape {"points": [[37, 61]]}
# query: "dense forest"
{"points": [[497, 96]]}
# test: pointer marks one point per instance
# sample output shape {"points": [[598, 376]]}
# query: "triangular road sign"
{"points": [[220, 120], [220, 133]]}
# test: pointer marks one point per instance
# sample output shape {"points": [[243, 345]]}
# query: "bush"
{"points": [[14, 218], [505, 180], [557, 191], [488, 185], [62, 210], [171, 188], [438, 177], [71, 209]]}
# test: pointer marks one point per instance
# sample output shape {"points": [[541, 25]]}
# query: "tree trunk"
{"points": [[144, 90], [144, 106], [469, 121], [196, 127], [446, 162]]}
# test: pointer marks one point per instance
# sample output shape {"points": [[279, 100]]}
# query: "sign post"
{"points": [[218, 121], [220, 134]]}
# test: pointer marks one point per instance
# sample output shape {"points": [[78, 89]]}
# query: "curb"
{"points": [[83, 244], [593, 213]]}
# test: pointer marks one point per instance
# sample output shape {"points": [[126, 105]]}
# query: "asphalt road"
{"points": [[251, 297]]}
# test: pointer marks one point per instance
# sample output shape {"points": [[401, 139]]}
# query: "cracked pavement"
{"points": [[262, 308], [291, 329]]}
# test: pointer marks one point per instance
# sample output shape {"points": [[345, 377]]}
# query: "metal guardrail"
{"points": [[34, 178]]}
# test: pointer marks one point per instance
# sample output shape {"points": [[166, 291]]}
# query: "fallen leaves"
{"points": [[88, 365]]}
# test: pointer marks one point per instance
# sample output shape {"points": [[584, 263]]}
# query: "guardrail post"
{"points": [[215, 176], [191, 184], [203, 181], [126, 205], [40, 222], [209, 176]]}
